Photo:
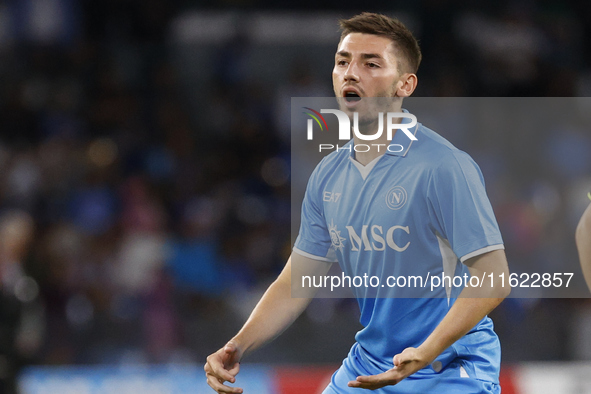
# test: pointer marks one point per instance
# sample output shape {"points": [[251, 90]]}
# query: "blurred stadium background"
{"points": [[145, 183]]}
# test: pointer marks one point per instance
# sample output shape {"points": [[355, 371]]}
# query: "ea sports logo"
{"points": [[396, 197]]}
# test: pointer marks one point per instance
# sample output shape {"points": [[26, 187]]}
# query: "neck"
{"points": [[367, 151]]}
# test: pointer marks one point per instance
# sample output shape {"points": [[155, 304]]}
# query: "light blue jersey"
{"points": [[420, 209]]}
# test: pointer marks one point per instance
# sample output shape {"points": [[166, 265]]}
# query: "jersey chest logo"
{"points": [[396, 197], [330, 196]]}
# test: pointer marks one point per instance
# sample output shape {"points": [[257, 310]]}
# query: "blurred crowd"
{"points": [[138, 227]]}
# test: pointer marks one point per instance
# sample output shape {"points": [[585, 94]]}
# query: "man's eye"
{"points": [[342, 63], [373, 65]]}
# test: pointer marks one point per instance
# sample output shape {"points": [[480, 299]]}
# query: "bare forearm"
{"points": [[473, 304], [277, 309], [583, 238], [273, 314], [461, 318]]}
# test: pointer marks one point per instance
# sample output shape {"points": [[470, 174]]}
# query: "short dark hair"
{"points": [[392, 28]]}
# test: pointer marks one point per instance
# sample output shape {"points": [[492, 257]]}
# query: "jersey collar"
{"points": [[400, 144]]}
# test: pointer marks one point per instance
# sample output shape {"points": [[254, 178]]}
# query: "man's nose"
{"points": [[352, 72]]}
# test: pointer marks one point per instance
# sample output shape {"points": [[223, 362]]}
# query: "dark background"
{"points": [[145, 168]]}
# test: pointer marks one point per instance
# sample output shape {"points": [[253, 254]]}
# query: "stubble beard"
{"points": [[369, 119]]}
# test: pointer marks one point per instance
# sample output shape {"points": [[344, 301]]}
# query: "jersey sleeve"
{"points": [[460, 209], [313, 239]]}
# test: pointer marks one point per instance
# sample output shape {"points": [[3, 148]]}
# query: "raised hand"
{"points": [[223, 366], [405, 364]]}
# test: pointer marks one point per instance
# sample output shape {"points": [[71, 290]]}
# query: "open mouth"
{"points": [[352, 96]]}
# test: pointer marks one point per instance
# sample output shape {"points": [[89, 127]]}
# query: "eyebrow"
{"points": [[363, 55]]}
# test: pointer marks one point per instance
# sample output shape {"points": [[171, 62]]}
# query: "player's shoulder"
{"points": [[442, 155], [333, 160]]}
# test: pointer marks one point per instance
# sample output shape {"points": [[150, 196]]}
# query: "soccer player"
{"points": [[583, 238], [413, 210]]}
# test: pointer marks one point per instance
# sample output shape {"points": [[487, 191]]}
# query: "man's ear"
{"points": [[406, 85]]}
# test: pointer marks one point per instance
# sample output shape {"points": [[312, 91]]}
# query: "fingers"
{"points": [[231, 355], [215, 384], [215, 367], [405, 364], [222, 366], [216, 376], [374, 382], [408, 355], [397, 360], [234, 370]]}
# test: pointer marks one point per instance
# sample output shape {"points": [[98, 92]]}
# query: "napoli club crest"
{"points": [[396, 197]]}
